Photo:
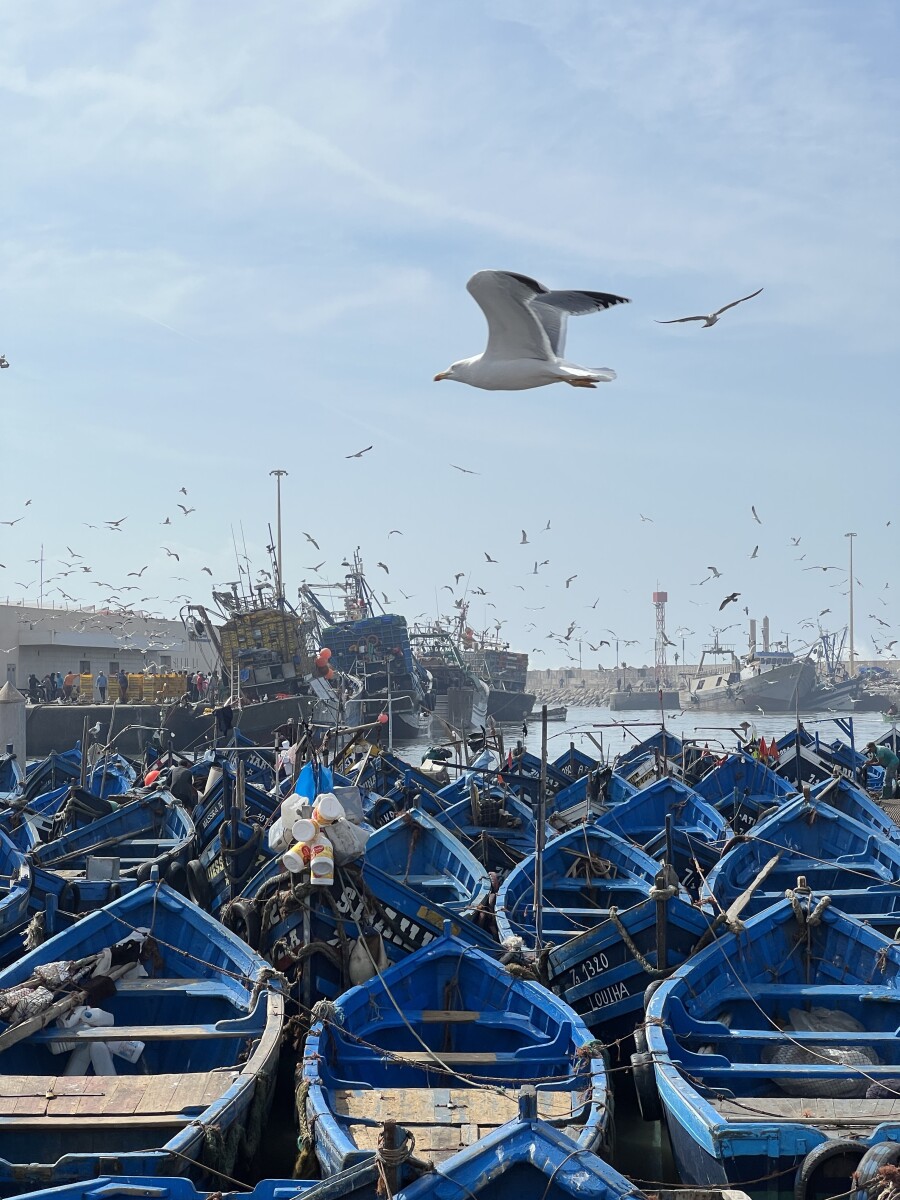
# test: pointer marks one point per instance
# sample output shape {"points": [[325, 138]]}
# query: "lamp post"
{"points": [[278, 474], [851, 536]]}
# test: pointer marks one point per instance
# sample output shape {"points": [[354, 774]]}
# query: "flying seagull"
{"points": [[729, 600], [311, 539], [488, 557], [465, 470], [755, 514], [569, 580], [527, 334], [185, 509], [524, 541], [383, 567], [171, 553], [755, 552], [137, 574], [207, 570], [359, 453], [711, 318]]}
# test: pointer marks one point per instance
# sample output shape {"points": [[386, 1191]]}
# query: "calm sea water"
{"points": [[618, 731]]}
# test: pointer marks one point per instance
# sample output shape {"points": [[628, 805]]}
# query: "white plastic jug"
{"points": [[327, 809], [321, 862], [297, 858], [304, 830]]}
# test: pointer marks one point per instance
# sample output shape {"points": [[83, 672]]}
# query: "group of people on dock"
{"points": [[66, 689]]}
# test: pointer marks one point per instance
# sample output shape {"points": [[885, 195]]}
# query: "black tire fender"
{"points": [[176, 878], [199, 889], [242, 917], [644, 1076], [651, 990], [842, 1155], [882, 1154]]}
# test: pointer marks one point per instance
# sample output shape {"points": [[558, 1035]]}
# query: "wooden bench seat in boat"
{"points": [[53, 1102], [443, 1120], [242, 1027]]}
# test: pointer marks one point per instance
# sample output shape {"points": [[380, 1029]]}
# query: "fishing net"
{"points": [[856, 1058]]}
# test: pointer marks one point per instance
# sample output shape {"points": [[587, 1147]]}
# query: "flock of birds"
{"points": [[527, 333]]}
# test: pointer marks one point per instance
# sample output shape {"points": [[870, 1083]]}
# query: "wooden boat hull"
{"points": [[741, 1108], [216, 996]]}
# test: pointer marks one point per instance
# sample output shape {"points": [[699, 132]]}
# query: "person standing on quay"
{"points": [[102, 685], [122, 680]]}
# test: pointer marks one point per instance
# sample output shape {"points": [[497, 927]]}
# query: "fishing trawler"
{"points": [[373, 646], [504, 672], [460, 698]]}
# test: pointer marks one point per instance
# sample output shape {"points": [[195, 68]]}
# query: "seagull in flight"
{"points": [[643, 518], [311, 539], [569, 580], [171, 553], [383, 567], [755, 552], [186, 510], [465, 470], [524, 541], [527, 334], [711, 318], [359, 453], [489, 559], [138, 574], [729, 600], [755, 514], [115, 524]]}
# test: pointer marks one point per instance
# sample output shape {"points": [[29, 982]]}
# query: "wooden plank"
{"points": [[431, 1016], [144, 1033], [64, 1123], [125, 1097], [158, 1093], [446, 1056]]}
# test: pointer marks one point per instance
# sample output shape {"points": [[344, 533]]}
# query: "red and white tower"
{"points": [[659, 602]]}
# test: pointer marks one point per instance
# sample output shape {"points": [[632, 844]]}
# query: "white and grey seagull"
{"points": [[711, 318], [527, 335]]}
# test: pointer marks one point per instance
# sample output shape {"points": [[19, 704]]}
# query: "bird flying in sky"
{"points": [[711, 318]]}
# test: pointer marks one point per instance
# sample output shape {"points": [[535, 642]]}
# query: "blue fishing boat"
{"points": [[162, 1187], [775, 1053], [586, 872], [604, 972], [574, 763], [525, 1159], [16, 877], [442, 1043], [588, 797], [741, 788], [150, 829], [309, 934], [696, 836], [805, 757], [834, 854], [423, 856], [651, 758], [143, 1040], [111, 774], [494, 825], [12, 777]]}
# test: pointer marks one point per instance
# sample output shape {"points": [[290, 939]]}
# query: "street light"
{"points": [[851, 536], [278, 474]]}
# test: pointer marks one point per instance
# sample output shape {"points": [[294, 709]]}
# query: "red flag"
{"points": [[763, 748], [509, 759]]}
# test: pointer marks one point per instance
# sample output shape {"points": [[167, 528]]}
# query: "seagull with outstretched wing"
{"points": [[711, 318], [527, 334]]}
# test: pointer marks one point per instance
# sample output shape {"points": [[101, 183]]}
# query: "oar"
{"points": [[732, 913]]}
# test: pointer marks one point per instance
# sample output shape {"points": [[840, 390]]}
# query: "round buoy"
{"points": [[151, 777]]}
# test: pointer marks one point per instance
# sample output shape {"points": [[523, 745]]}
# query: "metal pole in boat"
{"points": [[390, 702], [539, 838], [84, 762], [851, 536], [797, 741]]}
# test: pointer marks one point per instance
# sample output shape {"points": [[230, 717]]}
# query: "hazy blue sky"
{"points": [[236, 237]]}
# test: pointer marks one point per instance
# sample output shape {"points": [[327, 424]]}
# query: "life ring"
{"points": [[199, 888], [882, 1154], [828, 1169], [242, 917], [644, 1076]]}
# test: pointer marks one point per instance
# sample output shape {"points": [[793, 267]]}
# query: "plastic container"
{"points": [[304, 830], [348, 841], [321, 862], [296, 858], [327, 809]]}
